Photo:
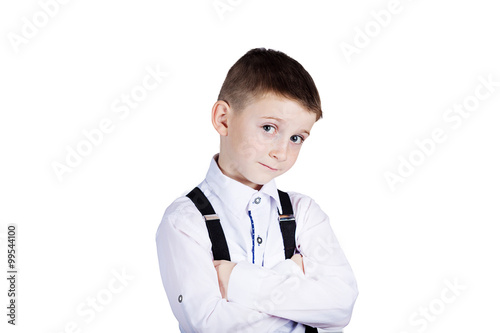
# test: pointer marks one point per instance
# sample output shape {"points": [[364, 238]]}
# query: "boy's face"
{"points": [[264, 139]]}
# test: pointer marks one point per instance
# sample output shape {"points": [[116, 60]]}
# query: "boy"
{"points": [[228, 258]]}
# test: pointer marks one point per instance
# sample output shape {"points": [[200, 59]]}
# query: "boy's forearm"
{"points": [[291, 295]]}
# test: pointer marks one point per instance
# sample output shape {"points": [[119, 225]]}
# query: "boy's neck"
{"points": [[228, 174]]}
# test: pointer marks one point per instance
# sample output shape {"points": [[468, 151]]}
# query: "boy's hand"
{"points": [[297, 258], [224, 269]]}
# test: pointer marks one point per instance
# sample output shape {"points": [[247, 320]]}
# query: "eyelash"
{"points": [[271, 126], [298, 136], [301, 139]]}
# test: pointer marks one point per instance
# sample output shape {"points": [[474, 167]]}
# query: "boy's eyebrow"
{"points": [[279, 119], [275, 118]]}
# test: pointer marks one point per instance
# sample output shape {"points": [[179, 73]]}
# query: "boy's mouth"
{"points": [[267, 166]]}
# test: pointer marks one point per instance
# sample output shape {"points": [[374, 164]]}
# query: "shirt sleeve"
{"points": [[191, 283], [323, 297]]}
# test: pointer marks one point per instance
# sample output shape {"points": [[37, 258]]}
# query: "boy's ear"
{"points": [[220, 112]]}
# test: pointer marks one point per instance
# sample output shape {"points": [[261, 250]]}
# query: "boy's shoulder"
{"points": [[299, 199], [305, 207], [297, 195], [181, 214], [180, 206]]}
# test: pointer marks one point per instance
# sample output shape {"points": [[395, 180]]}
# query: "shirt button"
{"points": [[259, 240], [257, 201], [179, 298]]}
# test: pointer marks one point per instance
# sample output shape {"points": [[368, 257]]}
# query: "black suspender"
{"points": [[220, 249], [287, 224], [219, 244]]}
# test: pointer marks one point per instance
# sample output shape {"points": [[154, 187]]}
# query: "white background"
{"points": [[439, 225]]}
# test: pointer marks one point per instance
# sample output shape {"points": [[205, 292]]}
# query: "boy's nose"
{"points": [[279, 151]]}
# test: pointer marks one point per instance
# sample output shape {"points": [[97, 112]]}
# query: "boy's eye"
{"points": [[297, 139], [269, 128]]}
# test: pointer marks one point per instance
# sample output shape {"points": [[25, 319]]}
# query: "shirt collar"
{"points": [[235, 195]]}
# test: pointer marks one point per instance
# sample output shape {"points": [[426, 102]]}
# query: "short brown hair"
{"points": [[261, 71]]}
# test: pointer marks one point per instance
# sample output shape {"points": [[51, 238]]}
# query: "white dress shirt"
{"points": [[266, 293]]}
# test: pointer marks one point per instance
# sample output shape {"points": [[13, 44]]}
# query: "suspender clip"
{"points": [[287, 217], [211, 217]]}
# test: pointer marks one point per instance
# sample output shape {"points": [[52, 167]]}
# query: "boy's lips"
{"points": [[267, 166]]}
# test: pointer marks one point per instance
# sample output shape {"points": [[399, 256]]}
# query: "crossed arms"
{"points": [[315, 288], [224, 269]]}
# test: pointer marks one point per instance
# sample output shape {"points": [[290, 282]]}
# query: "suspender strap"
{"points": [[220, 249], [287, 224], [310, 329]]}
